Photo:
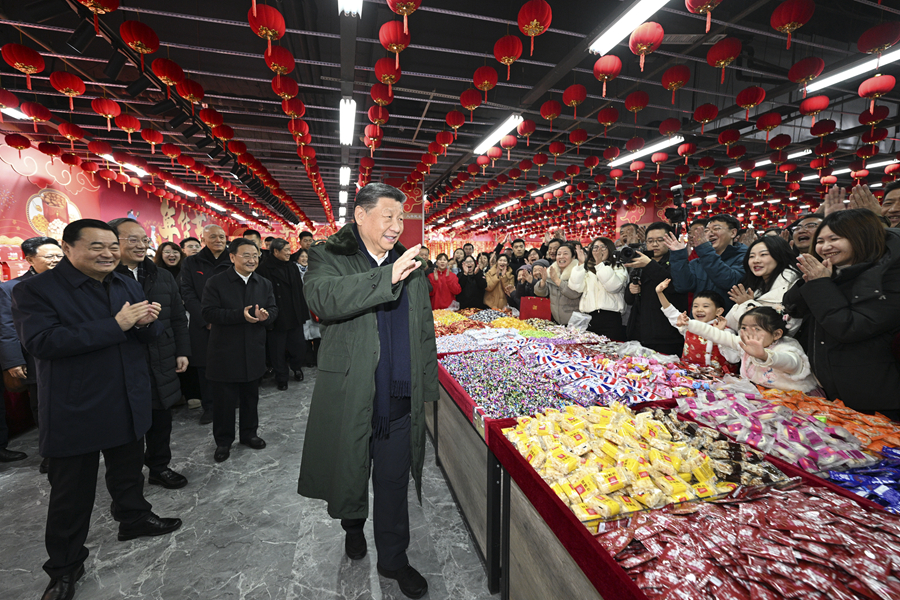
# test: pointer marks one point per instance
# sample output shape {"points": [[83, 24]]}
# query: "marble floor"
{"points": [[246, 533]]}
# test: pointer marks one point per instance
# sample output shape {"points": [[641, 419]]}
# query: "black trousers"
{"points": [[73, 486], [190, 383], [280, 345], [227, 397], [158, 454], [206, 392], [390, 484], [608, 323]]}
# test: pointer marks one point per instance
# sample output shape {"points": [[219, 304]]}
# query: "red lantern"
{"points": [[378, 115], [876, 87], [591, 162], [404, 8], [68, 84], [71, 132], [823, 128], [128, 124], [508, 50], [555, 149], [455, 120], [100, 7], [211, 117], [702, 7], [526, 128], [645, 39], [223, 132], [813, 106], [508, 142], [768, 122], [877, 39], [607, 68], [24, 59], [806, 70], [237, 148], [534, 19], [470, 100], [574, 95], [140, 38], [729, 137], [550, 110], [267, 23], [171, 151], [106, 108], [791, 15], [634, 144], [191, 91], [17, 141], [7, 100], [387, 73], [51, 150], [686, 150], [152, 137], [658, 158], [280, 61], [705, 113], [393, 38], [736, 151], [750, 97], [283, 87], [578, 137], [675, 78], [485, 79], [636, 102], [606, 117], [779, 142], [494, 153], [723, 53], [168, 72], [382, 95]]}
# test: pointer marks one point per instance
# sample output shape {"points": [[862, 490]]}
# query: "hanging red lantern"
{"points": [[705, 113], [23, 59], [211, 117], [393, 39], [508, 142], [736, 151], [574, 95], [455, 120], [71, 132], [658, 158], [100, 7], [550, 110], [382, 95], [168, 72], [222, 132], [669, 127], [444, 139], [591, 162], [378, 115], [128, 124], [702, 7], [675, 78], [280, 61], [876, 87], [171, 151], [878, 39], [140, 38], [494, 153], [300, 131], [152, 137], [68, 84], [723, 53], [578, 137], [750, 97], [470, 99], [508, 50], [50, 149], [636, 101], [687, 150], [806, 70], [555, 149], [387, 72], [17, 141], [284, 87], [813, 106], [293, 107], [823, 128], [237, 148], [645, 39], [191, 91], [634, 144], [606, 117], [768, 122], [875, 136], [106, 108], [485, 79], [534, 19], [73, 160], [779, 142], [526, 128], [267, 23], [729, 137], [607, 68], [791, 15]]}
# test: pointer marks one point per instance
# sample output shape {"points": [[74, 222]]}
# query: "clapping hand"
{"points": [[862, 197], [141, 313], [682, 320], [259, 314], [579, 254], [812, 268], [834, 200], [662, 286], [752, 343], [739, 295], [674, 244], [720, 323], [152, 314]]}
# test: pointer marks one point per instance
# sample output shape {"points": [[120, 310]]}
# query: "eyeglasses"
{"points": [[807, 227], [654, 241], [249, 256], [716, 229], [134, 241]]}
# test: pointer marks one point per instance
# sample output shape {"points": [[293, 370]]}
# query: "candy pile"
{"points": [[458, 327], [607, 462], [501, 384], [468, 312], [472, 340], [487, 316], [801, 543], [510, 323], [446, 317], [536, 333], [873, 431], [540, 324], [879, 482], [796, 438]]}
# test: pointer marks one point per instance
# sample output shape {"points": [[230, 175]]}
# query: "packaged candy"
{"points": [[610, 480]]}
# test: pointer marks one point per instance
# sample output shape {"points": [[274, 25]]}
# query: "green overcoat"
{"points": [[344, 291]]}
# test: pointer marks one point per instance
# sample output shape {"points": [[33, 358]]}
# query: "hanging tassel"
{"points": [[397, 60], [71, 107], [97, 25], [152, 148], [254, 8], [723, 75], [28, 80], [673, 95], [269, 51], [604, 88], [789, 41], [507, 71], [35, 126], [485, 95], [406, 26], [532, 46], [872, 106], [142, 63], [108, 125], [747, 116], [708, 20], [642, 62]]}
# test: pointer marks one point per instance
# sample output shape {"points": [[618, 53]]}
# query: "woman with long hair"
{"points": [[472, 285], [456, 262], [601, 281], [554, 284], [444, 284], [169, 256], [769, 272], [500, 284]]}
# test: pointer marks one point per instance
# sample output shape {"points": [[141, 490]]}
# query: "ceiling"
{"points": [[214, 45]]}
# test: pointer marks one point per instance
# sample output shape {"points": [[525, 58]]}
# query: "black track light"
{"points": [[81, 37], [224, 160], [215, 151], [204, 142], [163, 107], [179, 120], [191, 131], [115, 65], [137, 87]]}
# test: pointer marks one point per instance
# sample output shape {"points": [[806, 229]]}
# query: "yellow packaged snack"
{"points": [[629, 429], [628, 504], [665, 462], [573, 496], [524, 421], [575, 409], [609, 449], [605, 462], [543, 428], [704, 472], [654, 430], [609, 481], [586, 487], [572, 423], [605, 506], [679, 498], [535, 456], [701, 490], [651, 498], [557, 489], [599, 415], [596, 430], [642, 481], [726, 487], [670, 485], [589, 517], [613, 436], [582, 444], [562, 461], [685, 476]]}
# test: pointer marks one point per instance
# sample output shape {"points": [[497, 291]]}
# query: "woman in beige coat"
{"points": [[500, 284], [554, 284]]}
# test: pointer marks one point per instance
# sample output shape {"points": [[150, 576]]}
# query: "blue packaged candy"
{"points": [[889, 452]]}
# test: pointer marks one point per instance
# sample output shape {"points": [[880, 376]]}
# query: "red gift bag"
{"points": [[534, 307]]}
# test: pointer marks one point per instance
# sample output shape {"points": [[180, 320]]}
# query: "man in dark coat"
{"points": [[377, 368], [88, 329], [195, 272], [42, 253], [286, 335], [168, 354], [239, 305]]}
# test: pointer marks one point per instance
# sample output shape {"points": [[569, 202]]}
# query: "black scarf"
{"points": [[393, 378]]}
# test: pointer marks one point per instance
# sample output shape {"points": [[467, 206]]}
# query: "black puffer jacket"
{"points": [[472, 286], [853, 320], [647, 323], [195, 272], [287, 285], [159, 286]]}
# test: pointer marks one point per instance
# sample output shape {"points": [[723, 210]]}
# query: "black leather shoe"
{"points": [[169, 479], [63, 588], [355, 544], [282, 386], [412, 584], [45, 466], [269, 374], [149, 527], [222, 453], [298, 375], [207, 417], [11, 455], [256, 443]]}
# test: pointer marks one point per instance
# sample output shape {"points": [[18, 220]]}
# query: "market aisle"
{"points": [[246, 533]]}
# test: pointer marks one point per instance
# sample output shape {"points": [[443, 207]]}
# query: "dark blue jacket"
{"points": [[12, 354], [709, 271], [93, 378]]}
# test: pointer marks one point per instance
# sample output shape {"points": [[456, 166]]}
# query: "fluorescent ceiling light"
{"points": [[344, 176], [661, 145], [458, 224], [840, 171], [347, 120], [549, 188], [810, 177], [342, 211], [181, 190], [255, 214], [214, 206], [874, 185], [883, 163], [480, 215], [15, 114], [803, 152], [622, 27], [506, 205], [238, 216], [342, 197], [493, 137], [676, 187], [351, 8], [441, 220], [139, 172], [856, 70]]}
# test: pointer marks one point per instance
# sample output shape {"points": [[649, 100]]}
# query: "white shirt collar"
{"points": [[246, 279], [134, 272], [376, 259]]}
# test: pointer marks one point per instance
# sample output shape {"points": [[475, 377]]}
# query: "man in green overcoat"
{"points": [[377, 366]]}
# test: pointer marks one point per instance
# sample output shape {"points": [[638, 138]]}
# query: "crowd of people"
{"points": [[814, 307]]}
